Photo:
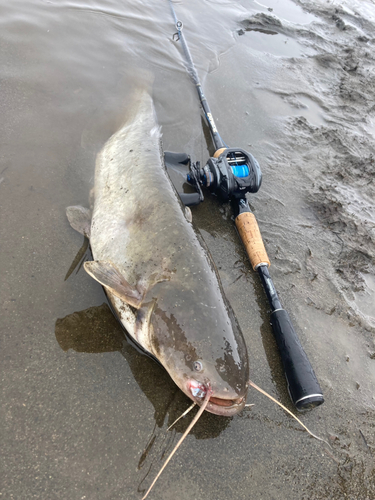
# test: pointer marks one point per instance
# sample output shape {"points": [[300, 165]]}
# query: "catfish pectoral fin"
{"points": [[80, 219], [111, 278]]}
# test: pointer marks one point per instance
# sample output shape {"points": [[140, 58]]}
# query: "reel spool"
{"points": [[231, 173]]}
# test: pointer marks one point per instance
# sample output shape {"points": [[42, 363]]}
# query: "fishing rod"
{"points": [[230, 174]]}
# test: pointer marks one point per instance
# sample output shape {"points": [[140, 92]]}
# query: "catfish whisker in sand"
{"points": [[183, 415], [288, 411], [193, 422]]}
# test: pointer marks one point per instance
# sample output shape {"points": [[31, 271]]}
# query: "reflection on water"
{"points": [[93, 330], [79, 259], [96, 330]]}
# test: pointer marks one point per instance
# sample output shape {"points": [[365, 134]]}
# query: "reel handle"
{"points": [[190, 199]]}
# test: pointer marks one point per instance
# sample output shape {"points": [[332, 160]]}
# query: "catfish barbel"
{"points": [[157, 274]]}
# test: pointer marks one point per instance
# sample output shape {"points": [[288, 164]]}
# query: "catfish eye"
{"points": [[197, 365]]}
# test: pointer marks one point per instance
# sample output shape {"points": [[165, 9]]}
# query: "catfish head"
{"points": [[193, 333]]}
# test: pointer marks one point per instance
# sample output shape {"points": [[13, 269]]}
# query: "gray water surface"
{"points": [[84, 415]]}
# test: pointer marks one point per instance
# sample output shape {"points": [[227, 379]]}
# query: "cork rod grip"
{"points": [[250, 235]]}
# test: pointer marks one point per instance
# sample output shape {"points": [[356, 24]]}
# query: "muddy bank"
{"points": [[85, 415], [337, 157]]}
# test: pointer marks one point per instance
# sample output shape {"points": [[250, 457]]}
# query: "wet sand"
{"points": [[83, 414]]}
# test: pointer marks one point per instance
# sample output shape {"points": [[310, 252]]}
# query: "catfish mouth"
{"points": [[225, 407], [222, 402]]}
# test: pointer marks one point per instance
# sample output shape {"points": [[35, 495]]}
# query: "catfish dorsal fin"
{"points": [[112, 279]]}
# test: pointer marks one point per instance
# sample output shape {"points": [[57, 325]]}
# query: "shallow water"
{"points": [[85, 415], [285, 10], [271, 43]]}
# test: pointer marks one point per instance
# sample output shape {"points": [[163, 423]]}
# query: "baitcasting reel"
{"points": [[230, 173]]}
